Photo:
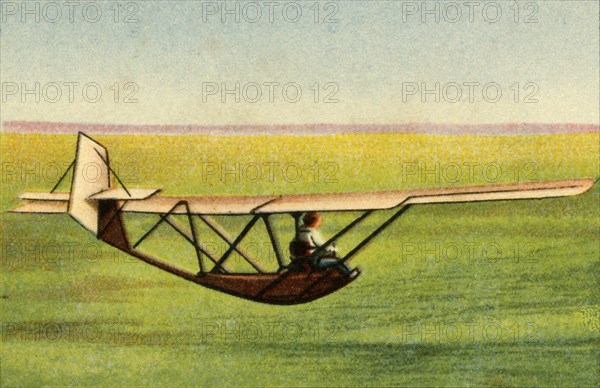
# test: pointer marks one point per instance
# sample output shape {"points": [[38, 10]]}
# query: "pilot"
{"points": [[308, 239]]}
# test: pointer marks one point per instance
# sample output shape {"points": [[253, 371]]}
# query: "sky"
{"points": [[303, 62]]}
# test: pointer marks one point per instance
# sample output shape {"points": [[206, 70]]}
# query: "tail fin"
{"points": [[91, 175], [94, 198]]}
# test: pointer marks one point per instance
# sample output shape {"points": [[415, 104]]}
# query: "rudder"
{"points": [[91, 175]]}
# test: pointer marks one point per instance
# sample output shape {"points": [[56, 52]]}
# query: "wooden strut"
{"points": [[233, 245], [189, 237], [164, 217], [339, 234], [274, 241], [381, 228], [220, 231]]}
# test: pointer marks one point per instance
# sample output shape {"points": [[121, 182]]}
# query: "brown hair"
{"points": [[311, 218]]}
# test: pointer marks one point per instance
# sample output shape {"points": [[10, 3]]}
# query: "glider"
{"points": [[98, 205]]}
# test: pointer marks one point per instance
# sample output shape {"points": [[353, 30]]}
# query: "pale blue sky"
{"points": [[170, 52]]}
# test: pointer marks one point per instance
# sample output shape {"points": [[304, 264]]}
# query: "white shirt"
{"points": [[314, 237]]}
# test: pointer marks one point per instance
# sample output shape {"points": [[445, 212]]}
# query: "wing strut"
{"points": [[370, 237], [342, 232]]}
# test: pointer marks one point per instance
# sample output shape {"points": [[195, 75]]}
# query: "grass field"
{"points": [[499, 294]]}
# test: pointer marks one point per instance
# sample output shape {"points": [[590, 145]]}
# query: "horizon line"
{"points": [[522, 128]]}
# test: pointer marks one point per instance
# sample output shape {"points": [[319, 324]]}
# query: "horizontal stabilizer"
{"points": [[42, 207], [45, 196], [122, 194]]}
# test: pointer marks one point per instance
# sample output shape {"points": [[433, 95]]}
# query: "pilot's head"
{"points": [[312, 220]]}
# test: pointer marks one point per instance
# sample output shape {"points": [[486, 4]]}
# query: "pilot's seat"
{"points": [[300, 255]]}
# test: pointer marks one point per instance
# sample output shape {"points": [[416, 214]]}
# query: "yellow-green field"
{"points": [[502, 293]]}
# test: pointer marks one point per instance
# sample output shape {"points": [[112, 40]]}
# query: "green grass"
{"points": [[75, 311]]}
